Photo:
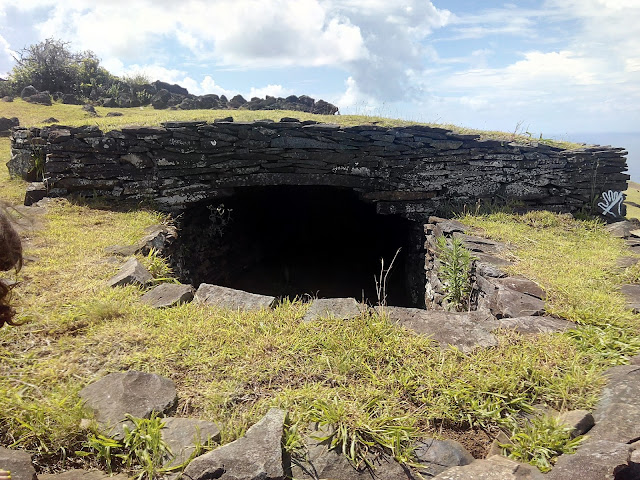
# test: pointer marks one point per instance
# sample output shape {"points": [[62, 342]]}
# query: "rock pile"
{"points": [[163, 95]]}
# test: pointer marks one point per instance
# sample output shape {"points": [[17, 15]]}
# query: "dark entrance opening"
{"points": [[290, 241]]}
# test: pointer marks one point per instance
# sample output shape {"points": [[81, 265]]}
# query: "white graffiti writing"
{"points": [[609, 201]]}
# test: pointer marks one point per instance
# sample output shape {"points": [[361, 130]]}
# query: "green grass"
{"points": [[633, 200], [73, 115], [374, 382]]}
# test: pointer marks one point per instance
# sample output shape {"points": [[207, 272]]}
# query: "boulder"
{"points": [[131, 273], [319, 462], [230, 298], [77, 474], [341, 308], [237, 101], [580, 421], [168, 295], [71, 99], [35, 192], [532, 325], [18, 462], [632, 296], [493, 468], [435, 456], [256, 456], [28, 91], [465, 331], [90, 109], [161, 99], [171, 88], [136, 393], [41, 98], [183, 434], [7, 124], [596, 460], [114, 114]]}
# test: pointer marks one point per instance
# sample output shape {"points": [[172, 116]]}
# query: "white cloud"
{"points": [[6, 57], [271, 90]]}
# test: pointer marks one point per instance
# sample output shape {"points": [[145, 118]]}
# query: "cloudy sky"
{"points": [[556, 67]]}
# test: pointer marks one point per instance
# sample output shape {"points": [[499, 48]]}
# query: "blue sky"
{"points": [[554, 67]]}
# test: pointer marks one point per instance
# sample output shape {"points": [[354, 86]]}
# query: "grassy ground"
{"points": [[73, 115], [372, 379], [633, 200]]}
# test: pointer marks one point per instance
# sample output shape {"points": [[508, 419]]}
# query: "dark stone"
{"points": [[632, 295], [522, 285], [161, 99], [135, 393], [340, 308], [50, 120], [435, 456], [532, 325], [256, 456], [321, 463], [580, 421], [621, 229], [28, 91], [89, 109], [465, 331], [168, 295], [41, 98], [493, 468], [183, 434], [114, 114], [504, 301], [71, 99], [232, 299], [171, 88], [7, 123], [223, 120], [596, 460], [18, 462], [35, 192], [131, 273], [81, 475]]}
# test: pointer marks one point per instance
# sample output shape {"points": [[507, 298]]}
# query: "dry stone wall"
{"points": [[413, 171]]}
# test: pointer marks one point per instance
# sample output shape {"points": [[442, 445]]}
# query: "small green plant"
{"points": [[158, 267], [142, 451], [539, 441], [455, 272], [144, 447]]}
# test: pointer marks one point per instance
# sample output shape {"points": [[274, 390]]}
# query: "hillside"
{"points": [[378, 385]]}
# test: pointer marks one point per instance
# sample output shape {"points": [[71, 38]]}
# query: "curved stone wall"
{"points": [[413, 171]]}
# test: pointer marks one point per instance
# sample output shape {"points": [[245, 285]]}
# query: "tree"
{"points": [[50, 65]]}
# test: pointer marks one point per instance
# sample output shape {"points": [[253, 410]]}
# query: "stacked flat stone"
{"points": [[413, 171]]}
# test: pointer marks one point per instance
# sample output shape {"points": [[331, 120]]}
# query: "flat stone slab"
{"points": [[168, 295], [522, 285], [533, 325], [464, 331], [632, 295], [493, 468], [595, 460], [131, 273], [18, 462], [257, 455], [341, 308], [77, 474], [232, 299], [182, 435], [503, 300], [580, 421], [435, 456], [136, 393]]}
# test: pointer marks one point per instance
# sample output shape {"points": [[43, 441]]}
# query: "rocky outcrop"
{"points": [[414, 171]]}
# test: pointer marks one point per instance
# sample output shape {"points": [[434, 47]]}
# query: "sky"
{"points": [[566, 69]]}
